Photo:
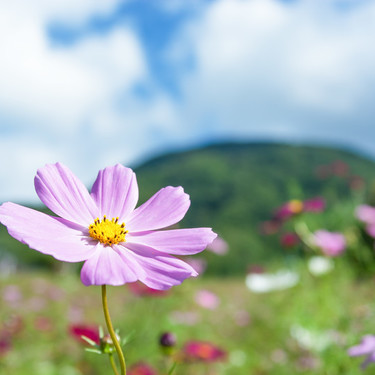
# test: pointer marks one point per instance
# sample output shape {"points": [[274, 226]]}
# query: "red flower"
{"points": [[289, 209], [202, 351], [91, 332], [295, 207], [141, 369], [5, 345], [289, 239], [316, 204]]}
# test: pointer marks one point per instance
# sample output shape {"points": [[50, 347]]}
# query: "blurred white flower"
{"points": [[312, 340], [267, 282], [319, 265]]}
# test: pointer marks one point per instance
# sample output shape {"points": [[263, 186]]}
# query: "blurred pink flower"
{"points": [[339, 168], [141, 368], [12, 295], [365, 213], [12, 326], [5, 345], [199, 264], [242, 318], [91, 228], [207, 299], [366, 348], [289, 239], [330, 243], [141, 290], [289, 209], [202, 351], [43, 323], [316, 204], [295, 207], [255, 268], [89, 331], [36, 303], [218, 246]]}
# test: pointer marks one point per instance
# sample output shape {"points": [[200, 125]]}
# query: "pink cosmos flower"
{"points": [[141, 368], [289, 209], [139, 289], [118, 243], [316, 204], [289, 239], [367, 348], [219, 246], [366, 214], [207, 299], [79, 330], [202, 351], [199, 264], [331, 243], [295, 207]]}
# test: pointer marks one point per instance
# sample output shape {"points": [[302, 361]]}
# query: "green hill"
{"points": [[234, 187]]}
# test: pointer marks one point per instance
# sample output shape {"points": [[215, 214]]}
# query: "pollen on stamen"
{"points": [[108, 232]]}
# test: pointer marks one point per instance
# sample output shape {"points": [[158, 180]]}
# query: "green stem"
{"points": [[113, 364], [112, 332]]}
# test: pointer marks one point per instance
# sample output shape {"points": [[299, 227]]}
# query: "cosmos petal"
{"points": [[162, 271], [177, 241], [50, 235], [106, 267], [115, 192], [366, 346], [64, 194], [167, 207]]}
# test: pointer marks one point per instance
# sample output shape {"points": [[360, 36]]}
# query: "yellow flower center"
{"points": [[295, 206], [109, 232]]}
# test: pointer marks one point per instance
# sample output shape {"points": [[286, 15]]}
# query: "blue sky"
{"points": [[93, 83]]}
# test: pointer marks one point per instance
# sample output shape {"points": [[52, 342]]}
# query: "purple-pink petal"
{"points": [[331, 243], [64, 194], [63, 240], [366, 213], [106, 266], [115, 192], [177, 241], [366, 346], [165, 208], [162, 271]]}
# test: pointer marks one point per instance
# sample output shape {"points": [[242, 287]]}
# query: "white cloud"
{"points": [[261, 64], [59, 104]]}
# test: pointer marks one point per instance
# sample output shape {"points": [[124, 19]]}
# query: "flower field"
{"points": [[306, 328]]}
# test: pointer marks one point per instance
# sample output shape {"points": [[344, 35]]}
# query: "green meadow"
{"points": [[259, 332]]}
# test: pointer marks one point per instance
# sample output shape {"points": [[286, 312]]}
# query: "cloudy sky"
{"points": [[94, 82]]}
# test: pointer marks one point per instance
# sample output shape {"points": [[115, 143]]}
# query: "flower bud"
{"points": [[167, 343], [106, 344]]}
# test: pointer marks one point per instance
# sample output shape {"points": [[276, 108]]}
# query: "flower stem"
{"points": [[113, 364], [112, 332]]}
